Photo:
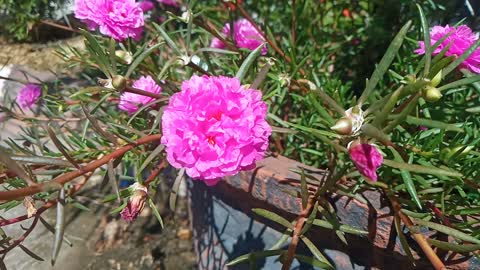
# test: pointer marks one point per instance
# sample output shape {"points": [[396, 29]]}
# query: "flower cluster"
{"points": [[460, 39], [29, 95], [130, 102], [215, 127], [245, 35], [119, 19]]}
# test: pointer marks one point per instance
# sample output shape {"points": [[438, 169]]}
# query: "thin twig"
{"points": [[65, 178], [296, 234], [142, 92], [419, 238], [155, 172], [22, 238], [59, 26]]}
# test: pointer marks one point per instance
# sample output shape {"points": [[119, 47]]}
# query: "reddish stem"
{"points": [[296, 235], [22, 238], [142, 92], [155, 172], [65, 178]]}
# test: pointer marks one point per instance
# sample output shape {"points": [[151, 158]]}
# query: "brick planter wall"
{"points": [[224, 226]]}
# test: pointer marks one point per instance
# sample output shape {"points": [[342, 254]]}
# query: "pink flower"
{"points": [[87, 12], [461, 39], [29, 95], [169, 2], [217, 43], [146, 5], [215, 127], [118, 19], [135, 204], [367, 159], [130, 102], [244, 34]]}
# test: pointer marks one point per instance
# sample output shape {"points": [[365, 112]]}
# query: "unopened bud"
{"points": [[119, 82], [125, 56], [410, 78], [437, 79], [135, 204], [355, 115], [432, 94], [343, 126]]}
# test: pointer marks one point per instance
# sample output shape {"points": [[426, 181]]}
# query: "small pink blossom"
{"points": [[169, 2], [366, 158], [215, 127], [130, 102], [118, 19], [244, 34], [461, 38], [135, 204], [146, 5], [29, 95]]}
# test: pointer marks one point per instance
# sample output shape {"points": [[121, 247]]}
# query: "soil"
{"points": [[37, 56], [143, 244]]}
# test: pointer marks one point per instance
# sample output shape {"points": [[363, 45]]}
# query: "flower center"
{"points": [[211, 140], [217, 115]]}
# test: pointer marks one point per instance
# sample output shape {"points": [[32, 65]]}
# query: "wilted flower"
{"points": [[29, 205], [461, 38], [244, 34], [118, 19], [215, 127], [130, 102], [169, 2], [135, 204], [29, 95], [366, 158]]}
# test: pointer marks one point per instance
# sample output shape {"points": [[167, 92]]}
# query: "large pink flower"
{"points": [[215, 127], [245, 36], [118, 19], [130, 102], [461, 39], [29, 95], [367, 159]]}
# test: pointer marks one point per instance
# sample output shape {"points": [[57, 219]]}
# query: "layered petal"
{"points": [[460, 39], [215, 127]]}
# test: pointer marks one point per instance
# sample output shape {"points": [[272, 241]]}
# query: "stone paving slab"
{"points": [[82, 226]]}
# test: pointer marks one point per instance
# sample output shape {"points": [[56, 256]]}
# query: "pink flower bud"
{"points": [[366, 158], [146, 5], [135, 204]]}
